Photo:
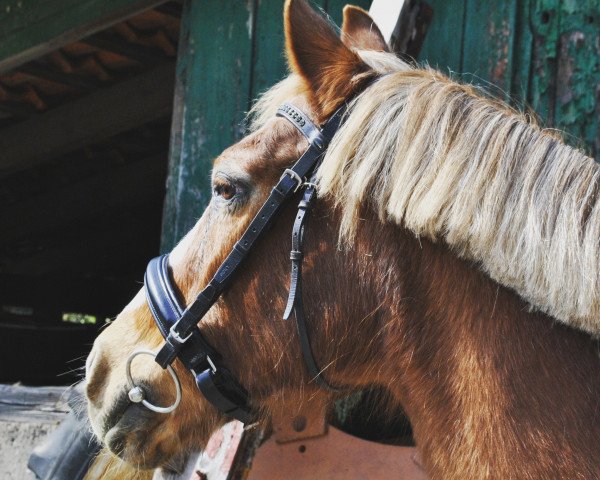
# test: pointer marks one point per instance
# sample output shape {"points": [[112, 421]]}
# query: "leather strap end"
{"points": [[167, 354], [289, 308]]}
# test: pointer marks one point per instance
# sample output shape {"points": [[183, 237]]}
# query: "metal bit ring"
{"points": [[136, 393]]}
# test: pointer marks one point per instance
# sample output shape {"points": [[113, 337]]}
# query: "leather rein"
{"points": [[178, 324]]}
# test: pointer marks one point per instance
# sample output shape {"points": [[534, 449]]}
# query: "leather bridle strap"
{"points": [[215, 382], [290, 182], [295, 300], [179, 325]]}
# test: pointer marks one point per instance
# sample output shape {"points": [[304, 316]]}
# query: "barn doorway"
{"points": [[84, 131]]}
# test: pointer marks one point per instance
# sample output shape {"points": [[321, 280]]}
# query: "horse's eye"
{"points": [[225, 190]]}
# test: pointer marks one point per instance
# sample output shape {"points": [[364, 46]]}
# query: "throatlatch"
{"points": [[179, 325]]}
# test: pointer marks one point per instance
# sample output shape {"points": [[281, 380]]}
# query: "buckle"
{"points": [[173, 334], [294, 176]]}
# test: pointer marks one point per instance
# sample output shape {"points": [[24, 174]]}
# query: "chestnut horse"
{"points": [[450, 238]]}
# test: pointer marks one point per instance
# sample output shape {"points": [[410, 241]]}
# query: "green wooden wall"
{"points": [[540, 53], [230, 51]]}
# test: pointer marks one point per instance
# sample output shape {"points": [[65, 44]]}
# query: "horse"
{"points": [[450, 259]]}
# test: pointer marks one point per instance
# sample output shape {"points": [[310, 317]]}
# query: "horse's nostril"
{"points": [[89, 363], [96, 373]]}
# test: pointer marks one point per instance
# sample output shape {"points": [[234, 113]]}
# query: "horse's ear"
{"points": [[360, 31], [317, 54]]}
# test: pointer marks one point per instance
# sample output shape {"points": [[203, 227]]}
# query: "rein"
{"points": [[179, 325]]}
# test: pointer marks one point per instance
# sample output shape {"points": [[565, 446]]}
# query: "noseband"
{"points": [[179, 325]]}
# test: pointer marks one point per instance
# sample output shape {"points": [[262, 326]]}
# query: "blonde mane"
{"points": [[448, 163]]}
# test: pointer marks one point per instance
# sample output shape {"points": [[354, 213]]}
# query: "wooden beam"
{"points": [[118, 45], [30, 404], [97, 116], [32, 29], [42, 71], [211, 96]]}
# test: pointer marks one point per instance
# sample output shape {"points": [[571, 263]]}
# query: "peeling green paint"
{"points": [[542, 53], [578, 73]]}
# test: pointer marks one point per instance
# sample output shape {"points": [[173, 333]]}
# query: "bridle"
{"points": [[179, 325]]}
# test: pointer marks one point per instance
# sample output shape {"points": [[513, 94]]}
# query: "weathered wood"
{"points": [[211, 97], [99, 115], [541, 53], [442, 47], [30, 404], [109, 189], [522, 53], [577, 105], [30, 29], [544, 20], [268, 65], [115, 44], [38, 70], [488, 44]]}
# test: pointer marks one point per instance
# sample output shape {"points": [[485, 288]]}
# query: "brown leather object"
{"points": [[334, 456]]}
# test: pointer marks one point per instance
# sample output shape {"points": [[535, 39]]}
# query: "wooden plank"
{"points": [[442, 48], [32, 404], [488, 44], [129, 184], [211, 97], [269, 64], [116, 44], [522, 53], [544, 20], [577, 104], [30, 29], [97, 116], [73, 80]]}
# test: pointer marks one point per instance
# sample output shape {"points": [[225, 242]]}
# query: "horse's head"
{"points": [[245, 326]]}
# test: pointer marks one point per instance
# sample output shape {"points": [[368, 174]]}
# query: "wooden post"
{"points": [[211, 96]]}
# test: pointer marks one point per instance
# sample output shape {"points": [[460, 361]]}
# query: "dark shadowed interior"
{"points": [[85, 136]]}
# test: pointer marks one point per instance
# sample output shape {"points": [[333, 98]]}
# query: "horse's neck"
{"points": [[490, 388]]}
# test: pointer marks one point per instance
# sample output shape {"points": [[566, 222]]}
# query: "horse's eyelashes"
{"points": [[225, 190]]}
